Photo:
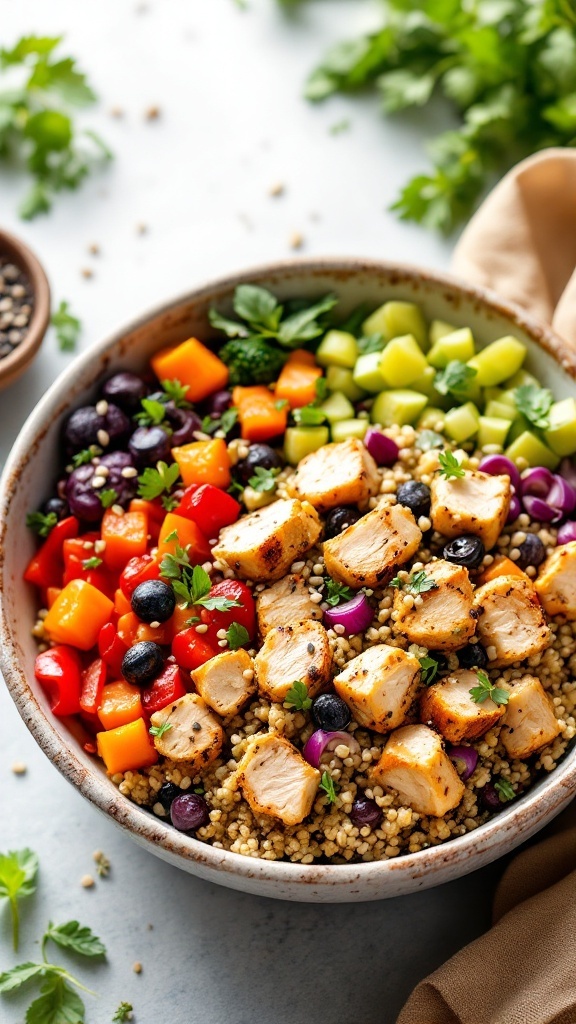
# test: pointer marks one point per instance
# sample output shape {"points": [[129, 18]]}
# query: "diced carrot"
{"points": [[297, 383], [194, 365], [126, 536], [127, 747], [120, 704], [122, 605], [51, 595], [204, 462], [258, 413], [302, 355], [78, 614], [155, 514], [501, 566]]}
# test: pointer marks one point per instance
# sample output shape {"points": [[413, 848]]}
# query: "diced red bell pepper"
{"points": [[244, 614], [75, 554], [46, 567], [168, 686], [137, 571], [191, 650], [209, 507], [58, 672], [112, 648], [92, 680]]}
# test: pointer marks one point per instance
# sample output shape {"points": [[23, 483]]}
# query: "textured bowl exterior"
{"points": [[33, 465], [14, 365]]}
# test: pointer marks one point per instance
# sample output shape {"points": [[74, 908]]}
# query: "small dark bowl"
{"points": [[12, 366]]}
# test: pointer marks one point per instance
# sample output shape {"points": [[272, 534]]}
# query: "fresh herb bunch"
{"points": [[337, 592], [37, 129], [508, 68]]}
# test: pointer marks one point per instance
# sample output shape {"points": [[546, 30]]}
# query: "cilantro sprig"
{"points": [[487, 690], [336, 593], [175, 392], [297, 696], [123, 1013], [154, 482], [108, 497], [91, 563], [86, 455], [455, 378], [534, 403], [152, 413], [192, 584], [237, 635], [418, 583], [262, 316], [40, 523], [225, 422], [18, 871], [449, 465], [430, 668]]}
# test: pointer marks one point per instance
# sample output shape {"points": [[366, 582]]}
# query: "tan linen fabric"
{"points": [[522, 240]]}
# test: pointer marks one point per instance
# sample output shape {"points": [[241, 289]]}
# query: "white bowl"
{"points": [[27, 480]]}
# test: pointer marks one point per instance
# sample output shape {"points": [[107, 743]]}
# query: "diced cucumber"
{"points": [[432, 419], [498, 361], [337, 348], [438, 329], [492, 430], [461, 423], [520, 379], [339, 379], [367, 373], [399, 407], [425, 385], [561, 434], [394, 319], [529, 447], [349, 428], [300, 441], [519, 426], [337, 407], [497, 395], [500, 410], [402, 361], [457, 345]]}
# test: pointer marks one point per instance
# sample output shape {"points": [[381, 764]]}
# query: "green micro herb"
{"points": [[18, 870], [328, 786], [66, 326], [225, 422], [123, 1013], [428, 439], [91, 563], [309, 416], [418, 583], [175, 392], [455, 378], [505, 790], [264, 479], [192, 585], [107, 497], [320, 389], [152, 414], [449, 465], [337, 592], [154, 482], [237, 635], [429, 668], [38, 133], [534, 403], [86, 455], [297, 696], [159, 730], [487, 690], [370, 343], [41, 524]]}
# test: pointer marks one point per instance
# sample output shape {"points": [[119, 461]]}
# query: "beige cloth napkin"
{"points": [[522, 244]]}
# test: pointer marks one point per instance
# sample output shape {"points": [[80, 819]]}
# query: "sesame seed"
{"points": [[222, 643], [221, 634]]}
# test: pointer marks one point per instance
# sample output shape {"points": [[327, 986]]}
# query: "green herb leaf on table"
{"points": [[534, 403], [108, 497], [40, 523], [264, 480], [236, 635], [72, 935], [15, 977], [154, 482], [297, 696], [91, 563], [175, 392], [153, 413], [336, 593], [486, 690], [328, 786], [123, 1013], [18, 871], [159, 730], [505, 789], [455, 378], [429, 668], [449, 465], [66, 326]]}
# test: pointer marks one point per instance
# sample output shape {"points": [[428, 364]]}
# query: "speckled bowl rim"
{"points": [[373, 880]]}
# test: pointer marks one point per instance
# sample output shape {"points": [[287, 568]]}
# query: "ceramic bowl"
{"points": [[33, 465], [13, 365]]}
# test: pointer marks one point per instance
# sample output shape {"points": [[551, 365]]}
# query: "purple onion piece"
{"points": [[537, 481], [355, 615], [383, 449], [465, 760], [539, 510], [567, 533], [500, 465], [568, 471], [561, 495], [321, 740], [515, 509]]}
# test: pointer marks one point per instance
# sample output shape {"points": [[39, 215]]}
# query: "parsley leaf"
{"points": [[430, 668], [535, 404], [175, 392], [455, 378], [91, 563], [309, 416], [86, 455], [428, 439], [337, 592], [505, 789], [193, 585], [154, 482], [449, 465], [487, 690], [320, 390], [123, 1013], [58, 1003], [237, 635], [297, 696], [327, 784], [75, 936], [159, 730], [266, 319], [153, 413], [225, 422], [67, 326], [41, 524], [108, 497], [419, 583], [18, 870], [370, 343], [264, 479]]}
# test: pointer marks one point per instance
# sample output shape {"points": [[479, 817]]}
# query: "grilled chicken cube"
{"points": [[449, 708], [276, 780], [369, 552], [415, 765], [287, 600], [474, 503], [529, 722], [444, 620], [263, 544], [556, 583], [226, 681], [299, 650], [192, 732], [336, 474], [510, 619], [379, 686]]}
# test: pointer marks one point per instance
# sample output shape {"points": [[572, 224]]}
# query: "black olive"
{"points": [[467, 550], [330, 712], [153, 601], [149, 445], [167, 793], [339, 519], [142, 663], [258, 455], [415, 496], [472, 656], [532, 552], [125, 390]]}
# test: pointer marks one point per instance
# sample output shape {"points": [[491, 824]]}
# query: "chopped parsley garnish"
{"points": [[41, 524], [505, 790], [320, 389], [264, 479], [337, 592], [91, 563], [18, 870], [153, 413], [419, 583], [86, 455], [108, 497], [534, 403], [430, 669], [237, 635], [370, 343], [264, 317], [455, 378], [66, 326], [486, 690], [175, 392], [225, 422], [159, 730], [154, 482], [428, 439], [327, 784], [449, 465], [192, 585], [309, 416], [297, 696], [123, 1013]]}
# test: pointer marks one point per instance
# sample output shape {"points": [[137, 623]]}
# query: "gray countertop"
{"points": [[227, 84]]}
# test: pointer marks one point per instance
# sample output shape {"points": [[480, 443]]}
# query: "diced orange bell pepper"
{"points": [[126, 748], [187, 535], [120, 704], [194, 365], [501, 566], [78, 614], [126, 536], [297, 383], [180, 618], [77, 558], [204, 462], [122, 605], [258, 413], [155, 514], [132, 630]]}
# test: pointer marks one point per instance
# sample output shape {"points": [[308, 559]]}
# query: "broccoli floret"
{"points": [[252, 361]]}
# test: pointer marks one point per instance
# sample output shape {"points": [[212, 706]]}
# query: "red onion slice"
{"points": [[465, 760], [355, 615], [561, 495], [539, 510], [537, 481], [383, 449], [500, 465], [515, 509], [567, 533], [321, 740]]}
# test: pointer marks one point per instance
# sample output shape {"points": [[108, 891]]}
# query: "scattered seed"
{"points": [[141, 229], [102, 863], [94, 249], [277, 189], [116, 112], [202, 628], [87, 881], [99, 546], [19, 768], [137, 967], [155, 624], [87, 272], [152, 113], [102, 407], [296, 240]]}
